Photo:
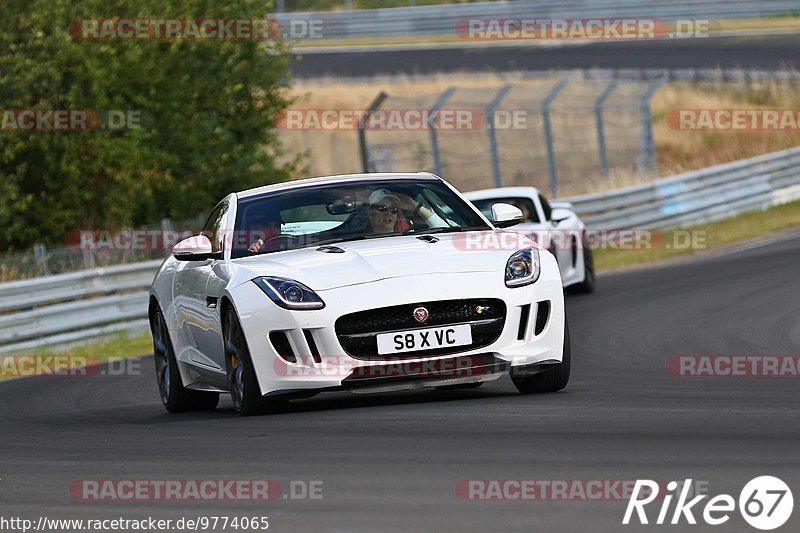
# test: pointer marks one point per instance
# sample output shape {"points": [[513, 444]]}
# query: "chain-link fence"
{"points": [[565, 135], [97, 247], [557, 135]]}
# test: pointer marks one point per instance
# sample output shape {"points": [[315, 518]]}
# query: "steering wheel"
{"points": [[287, 236], [265, 243]]}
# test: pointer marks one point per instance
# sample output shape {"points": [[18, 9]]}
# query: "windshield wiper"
{"points": [[349, 238]]}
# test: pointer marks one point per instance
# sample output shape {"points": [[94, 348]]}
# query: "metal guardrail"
{"points": [[78, 306], [442, 19], [73, 307], [697, 197]]}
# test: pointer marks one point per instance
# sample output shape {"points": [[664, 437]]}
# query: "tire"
{"points": [[245, 391], [553, 379], [474, 385], [587, 285], [175, 397]]}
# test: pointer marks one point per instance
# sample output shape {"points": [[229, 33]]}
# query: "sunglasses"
{"points": [[382, 209]]}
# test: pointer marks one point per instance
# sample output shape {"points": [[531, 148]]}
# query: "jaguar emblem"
{"points": [[421, 315]]}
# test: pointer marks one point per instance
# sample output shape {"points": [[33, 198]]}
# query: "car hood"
{"points": [[375, 259]]}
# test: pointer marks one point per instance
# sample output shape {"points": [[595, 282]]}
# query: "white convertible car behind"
{"points": [[366, 283], [554, 225]]}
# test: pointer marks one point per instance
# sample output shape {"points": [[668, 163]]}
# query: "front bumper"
{"points": [[330, 367]]}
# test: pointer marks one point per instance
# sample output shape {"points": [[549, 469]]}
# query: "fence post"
{"points": [[166, 229], [548, 134], [362, 134], [437, 159], [490, 110], [601, 134], [40, 253], [647, 149]]}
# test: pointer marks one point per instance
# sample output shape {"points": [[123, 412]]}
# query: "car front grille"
{"points": [[357, 332]]}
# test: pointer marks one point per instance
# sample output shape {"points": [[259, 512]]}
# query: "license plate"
{"points": [[424, 339]]}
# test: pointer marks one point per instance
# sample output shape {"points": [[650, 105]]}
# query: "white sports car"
{"points": [[554, 225], [370, 282]]}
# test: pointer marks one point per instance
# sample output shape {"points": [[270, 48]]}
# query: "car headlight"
{"points": [[523, 268], [289, 294]]}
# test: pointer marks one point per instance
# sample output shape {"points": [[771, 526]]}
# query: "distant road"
{"points": [[768, 52]]}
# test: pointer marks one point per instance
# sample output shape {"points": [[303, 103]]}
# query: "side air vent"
{"points": [[280, 341], [312, 346], [523, 321], [542, 314]]}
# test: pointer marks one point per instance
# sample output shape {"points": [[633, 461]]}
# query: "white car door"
{"points": [[199, 341]]}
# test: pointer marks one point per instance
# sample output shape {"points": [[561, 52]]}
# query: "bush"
{"points": [[208, 111]]}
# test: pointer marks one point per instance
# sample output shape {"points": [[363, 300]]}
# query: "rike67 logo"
{"points": [[765, 503]]}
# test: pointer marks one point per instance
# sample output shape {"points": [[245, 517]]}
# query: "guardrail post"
{"points": [[548, 134], [647, 149], [437, 158], [362, 134], [601, 134], [490, 110]]}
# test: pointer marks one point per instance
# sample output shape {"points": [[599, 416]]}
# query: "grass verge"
{"points": [[714, 236], [54, 360]]}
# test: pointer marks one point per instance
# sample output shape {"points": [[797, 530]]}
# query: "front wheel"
{"points": [[245, 391], [553, 379], [175, 397], [587, 285]]}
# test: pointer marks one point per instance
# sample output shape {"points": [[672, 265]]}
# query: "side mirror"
{"points": [[195, 249], [505, 215], [559, 214]]}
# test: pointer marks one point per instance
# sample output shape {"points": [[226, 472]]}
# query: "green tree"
{"points": [[209, 109]]}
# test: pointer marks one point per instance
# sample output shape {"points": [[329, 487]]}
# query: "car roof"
{"points": [[342, 178], [502, 192]]}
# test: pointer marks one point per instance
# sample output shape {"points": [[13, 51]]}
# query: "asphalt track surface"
{"points": [[391, 462], [763, 52]]}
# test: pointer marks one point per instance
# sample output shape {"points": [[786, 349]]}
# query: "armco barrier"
{"points": [[442, 19], [81, 305], [705, 195], [77, 306]]}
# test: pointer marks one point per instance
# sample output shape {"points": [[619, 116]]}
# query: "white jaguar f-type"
{"points": [[365, 283], [554, 225]]}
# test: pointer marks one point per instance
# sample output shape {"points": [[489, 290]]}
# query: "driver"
{"points": [[266, 223], [385, 215]]}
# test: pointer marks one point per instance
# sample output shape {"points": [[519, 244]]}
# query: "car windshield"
{"points": [[524, 204], [332, 213]]}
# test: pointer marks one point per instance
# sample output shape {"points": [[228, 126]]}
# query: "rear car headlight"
{"points": [[523, 268], [289, 294]]}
